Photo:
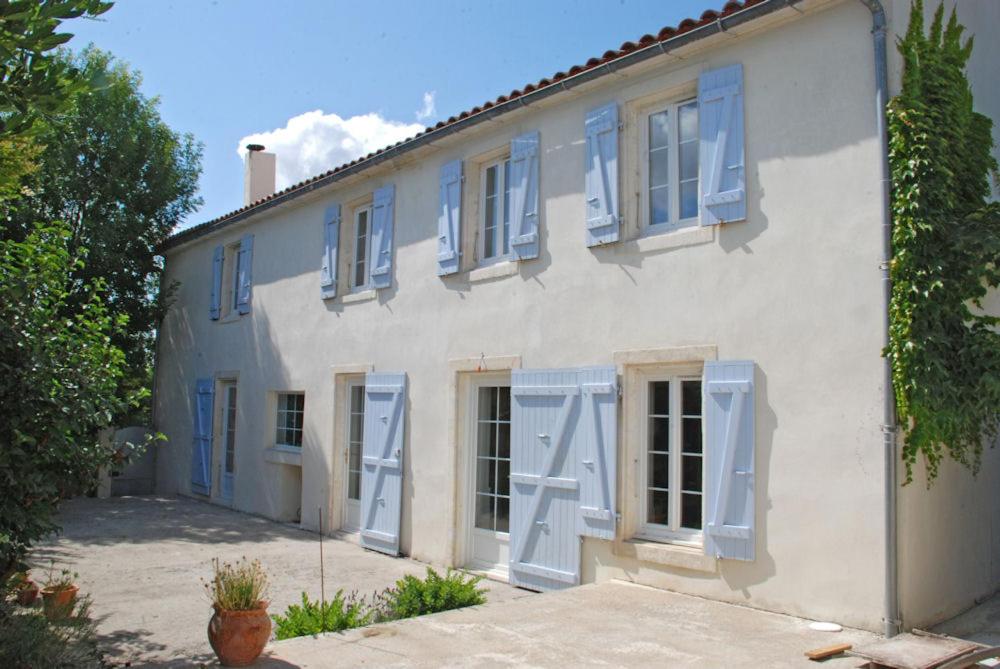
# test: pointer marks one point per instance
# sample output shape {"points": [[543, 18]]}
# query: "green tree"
{"points": [[944, 349], [122, 180], [59, 385], [34, 84]]}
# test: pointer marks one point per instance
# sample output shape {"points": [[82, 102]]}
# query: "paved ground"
{"points": [[142, 559], [980, 623], [607, 625]]}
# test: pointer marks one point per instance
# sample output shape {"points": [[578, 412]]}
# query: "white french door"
{"points": [[228, 441], [489, 450], [355, 413]]}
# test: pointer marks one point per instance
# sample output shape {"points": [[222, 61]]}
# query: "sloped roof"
{"points": [[711, 22]]}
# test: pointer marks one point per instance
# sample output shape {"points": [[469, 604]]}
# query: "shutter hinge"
{"points": [[621, 125], [618, 390], [618, 517]]}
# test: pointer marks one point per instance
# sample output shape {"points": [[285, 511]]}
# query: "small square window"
{"points": [[289, 419]]}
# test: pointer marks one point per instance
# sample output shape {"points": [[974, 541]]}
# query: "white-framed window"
{"points": [[355, 437], [234, 281], [672, 467], [362, 244], [670, 169], [230, 279], [494, 220], [291, 409], [492, 511]]}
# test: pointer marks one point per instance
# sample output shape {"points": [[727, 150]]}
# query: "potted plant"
{"points": [[240, 627], [59, 594], [25, 588]]}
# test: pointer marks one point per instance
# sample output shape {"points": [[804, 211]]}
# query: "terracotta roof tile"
{"points": [[709, 16]]}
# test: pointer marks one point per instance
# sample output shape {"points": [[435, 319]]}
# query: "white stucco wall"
{"points": [[795, 288], [949, 534]]}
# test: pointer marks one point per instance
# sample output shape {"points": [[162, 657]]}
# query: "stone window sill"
{"points": [[671, 555], [360, 296], [284, 455], [494, 271], [670, 240]]}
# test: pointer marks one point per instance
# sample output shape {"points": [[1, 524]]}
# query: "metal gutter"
{"points": [[891, 617], [720, 25]]}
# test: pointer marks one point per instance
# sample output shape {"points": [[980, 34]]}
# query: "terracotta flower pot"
{"points": [[239, 637], [59, 602], [27, 593]]}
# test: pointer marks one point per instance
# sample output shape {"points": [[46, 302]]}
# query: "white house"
{"points": [[623, 323]]}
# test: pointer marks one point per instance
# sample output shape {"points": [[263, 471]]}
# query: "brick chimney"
{"points": [[259, 174]]}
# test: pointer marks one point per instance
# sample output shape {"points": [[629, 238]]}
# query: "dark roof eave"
{"points": [[719, 25]]}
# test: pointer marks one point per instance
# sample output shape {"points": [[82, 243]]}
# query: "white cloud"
{"points": [[314, 142], [428, 109]]}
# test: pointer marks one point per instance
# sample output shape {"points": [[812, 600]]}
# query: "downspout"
{"points": [[890, 618]]}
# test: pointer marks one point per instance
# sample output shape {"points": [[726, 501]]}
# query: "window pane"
{"points": [[485, 475], [691, 511], [659, 398], [659, 470], [691, 398], [659, 206], [353, 491], [357, 399], [485, 440], [503, 514], [691, 473], [357, 427], [688, 121], [689, 199], [486, 401], [503, 440], [300, 401], [691, 437], [484, 512], [658, 507], [659, 168], [494, 397], [659, 434], [503, 477], [491, 202], [354, 459], [504, 412], [659, 130], [689, 160]]}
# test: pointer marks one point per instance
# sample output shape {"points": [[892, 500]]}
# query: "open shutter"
{"points": [[601, 181], [201, 451], [382, 224], [524, 196], [563, 436], [246, 276], [382, 461], [729, 443], [331, 240], [215, 304], [450, 218], [720, 123]]}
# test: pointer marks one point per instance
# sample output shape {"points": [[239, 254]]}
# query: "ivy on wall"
{"points": [[944, 349]]}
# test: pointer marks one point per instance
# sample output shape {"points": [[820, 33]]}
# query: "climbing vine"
{"points": [[943, 347]]}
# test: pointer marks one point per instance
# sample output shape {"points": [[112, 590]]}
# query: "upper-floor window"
{"points": [[670, 170], [362, 247], [494, 231], [291, 410], [234, 280]]}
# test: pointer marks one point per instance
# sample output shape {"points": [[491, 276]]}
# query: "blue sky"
{"points": [[230, 70]]}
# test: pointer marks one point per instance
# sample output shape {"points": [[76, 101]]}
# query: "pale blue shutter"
{"points": [[720, 126], [595, 452], [331, 240], [201, 448], [524, 196], [382, 225], [245, 279], [563, 470], [450, 218], [382, 461], [729, 459], [215, 303], [601, 180]]}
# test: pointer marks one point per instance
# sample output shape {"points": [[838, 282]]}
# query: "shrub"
{"points": [[28, 639], [413, 596], [311, 617], [237, 587]]}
